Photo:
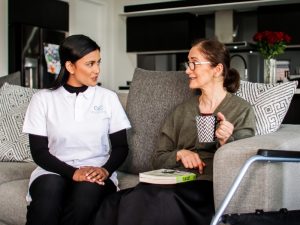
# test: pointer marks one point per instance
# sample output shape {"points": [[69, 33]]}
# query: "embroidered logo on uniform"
{"points": [[98, 108]]}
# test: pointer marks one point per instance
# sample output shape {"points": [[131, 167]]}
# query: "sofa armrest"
{"points": [[264, 185]]}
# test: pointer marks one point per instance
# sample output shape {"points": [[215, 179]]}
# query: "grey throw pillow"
{"points": [[152, 96], [13, 78]]}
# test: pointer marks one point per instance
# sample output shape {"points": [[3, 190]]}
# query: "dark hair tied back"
{"points": [[72, 49], [217, 53], [232, 80]]}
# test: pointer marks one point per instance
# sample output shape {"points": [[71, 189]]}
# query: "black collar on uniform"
{"points": [[76, 90]]}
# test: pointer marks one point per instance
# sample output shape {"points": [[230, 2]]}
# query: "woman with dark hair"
{"points": [[77, 136], [191, 202]]}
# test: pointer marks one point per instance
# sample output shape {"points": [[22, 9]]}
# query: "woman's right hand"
{"points": [[86, 173], [190, 160], [80, 174]]}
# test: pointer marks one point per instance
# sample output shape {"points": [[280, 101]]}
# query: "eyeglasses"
{"points": [[192, 65]]}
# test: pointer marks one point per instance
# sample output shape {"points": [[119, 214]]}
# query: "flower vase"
{"points": [[270, 71]]}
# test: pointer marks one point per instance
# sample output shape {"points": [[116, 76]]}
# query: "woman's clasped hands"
{"points": [[91, 174]]}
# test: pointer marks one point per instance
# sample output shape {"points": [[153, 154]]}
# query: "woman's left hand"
{"points": [[224, 130], [97, 174]]}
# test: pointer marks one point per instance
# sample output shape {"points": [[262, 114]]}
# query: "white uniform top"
{"points": [[77, 127]]}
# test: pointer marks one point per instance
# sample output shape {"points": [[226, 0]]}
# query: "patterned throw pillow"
{"points": [[14, 145], [270, 103]]}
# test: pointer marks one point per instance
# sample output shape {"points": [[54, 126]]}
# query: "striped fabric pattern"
{"points": [[14, 145], [270, 103]]}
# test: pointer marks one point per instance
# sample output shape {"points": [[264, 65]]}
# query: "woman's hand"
{"points": [[97, 174], [91, 174], [225, 129], [190, 160], [80, 174]]}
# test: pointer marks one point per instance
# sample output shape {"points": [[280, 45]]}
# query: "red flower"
{"points": [[270, 43]]}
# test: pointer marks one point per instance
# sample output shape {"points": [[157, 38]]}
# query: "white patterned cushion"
{"points": [[14, 145], [270, 103]]}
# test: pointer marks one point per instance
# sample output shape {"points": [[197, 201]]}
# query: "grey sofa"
{"points": [[151, 97]]}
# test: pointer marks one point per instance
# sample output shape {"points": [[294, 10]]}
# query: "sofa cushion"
{"points": [[13, 202], [270, 103], [127, 180], [152, 95], [15, 171], [14, 145], [13, 78], [123, 99]]}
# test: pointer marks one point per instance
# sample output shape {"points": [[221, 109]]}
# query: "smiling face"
{"points": [[84, 71], [204, 75]]}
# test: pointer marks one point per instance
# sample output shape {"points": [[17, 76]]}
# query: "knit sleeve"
{"points": [[119, 151], [43, 158]]}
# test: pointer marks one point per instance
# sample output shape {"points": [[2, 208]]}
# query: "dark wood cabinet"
{"points": [[293, 114], [283, 18], [170, 32]]}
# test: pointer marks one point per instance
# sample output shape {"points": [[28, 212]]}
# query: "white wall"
{"points": [[101, 20], [3, 37], [93, 18]]}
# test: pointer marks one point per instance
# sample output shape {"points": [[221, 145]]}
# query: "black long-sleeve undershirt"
{"points": [[119, 151], [43, 158]]}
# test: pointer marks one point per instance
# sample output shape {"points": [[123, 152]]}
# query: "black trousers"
{"points": [[149, 204], [60, 201]]}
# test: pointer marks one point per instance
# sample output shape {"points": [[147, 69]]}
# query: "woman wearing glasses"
{"points": [[192, 202]]}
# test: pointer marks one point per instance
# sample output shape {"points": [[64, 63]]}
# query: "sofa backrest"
{"points": [[152, 95], [13, 78]]}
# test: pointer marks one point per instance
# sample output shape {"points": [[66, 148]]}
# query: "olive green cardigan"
{"points": [[179, 132]]}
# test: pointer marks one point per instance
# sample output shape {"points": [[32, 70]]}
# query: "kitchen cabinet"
{"points": [[283, 18]]}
